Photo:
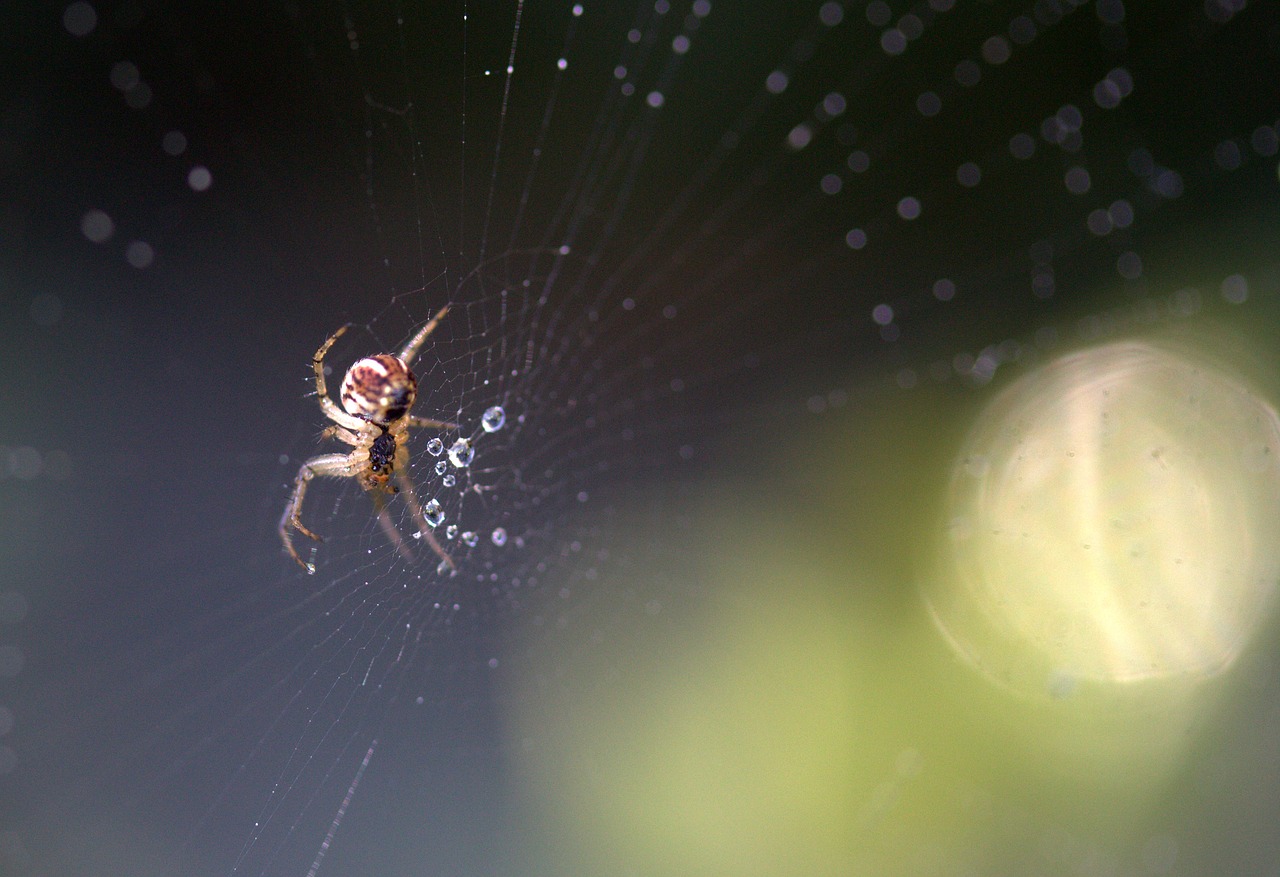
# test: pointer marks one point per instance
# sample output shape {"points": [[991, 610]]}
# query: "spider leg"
{"points": [[410, 351], [340, 432], [327, 405], [415, 508], [427, 423], [388, 526], [333, 465]]}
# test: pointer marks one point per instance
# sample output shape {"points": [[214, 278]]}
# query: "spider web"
{"points": [[674, 236]]}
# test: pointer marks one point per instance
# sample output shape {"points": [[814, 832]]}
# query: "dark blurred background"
{"points": [[193, 196]]}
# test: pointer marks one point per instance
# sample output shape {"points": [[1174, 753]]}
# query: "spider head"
{"points": [[379, 389]]}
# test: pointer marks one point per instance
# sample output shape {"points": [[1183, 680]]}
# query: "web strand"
{"points": [[342, 809]]}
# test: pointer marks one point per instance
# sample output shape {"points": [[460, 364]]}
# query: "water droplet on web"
{"points": [[493, 419], [435, 447], [448, 481], [433, 513], [499, 537], [470, 538], [441, 466], [451, 531], [461, 453]]}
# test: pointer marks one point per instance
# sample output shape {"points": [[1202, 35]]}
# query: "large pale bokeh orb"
{"points": [[1113, 517]]}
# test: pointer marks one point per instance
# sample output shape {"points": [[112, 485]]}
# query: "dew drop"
{"points": [[499, 537], [461, 453], [451, 531], [493, 419], [441, 466], [448, 480], [433, 513], [435, 447], [470, 539]]}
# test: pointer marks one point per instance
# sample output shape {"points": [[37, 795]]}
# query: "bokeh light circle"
{"points": [[1112, 517]]}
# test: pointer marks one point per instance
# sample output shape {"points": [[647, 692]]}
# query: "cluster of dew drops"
{"points": [[461, 454]]}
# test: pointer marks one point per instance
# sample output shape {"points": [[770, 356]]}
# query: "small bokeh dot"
{"points": [[139, 254], [1129, 265], [199, 179], [79, 19], [124, 76], [97, 226], [1235, 289], [174, 143], [996, 50], [138, 97], [968, 174]]}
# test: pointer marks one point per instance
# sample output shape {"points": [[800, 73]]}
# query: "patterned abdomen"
{"points": [[379, 389]]}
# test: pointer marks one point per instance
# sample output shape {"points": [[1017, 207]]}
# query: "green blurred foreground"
{"points": [[944, 644]]}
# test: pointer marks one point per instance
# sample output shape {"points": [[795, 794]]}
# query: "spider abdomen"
{"points": [[379, 389]]}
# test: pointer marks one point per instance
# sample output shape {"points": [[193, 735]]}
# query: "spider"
{"points": [[376, 395]]}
